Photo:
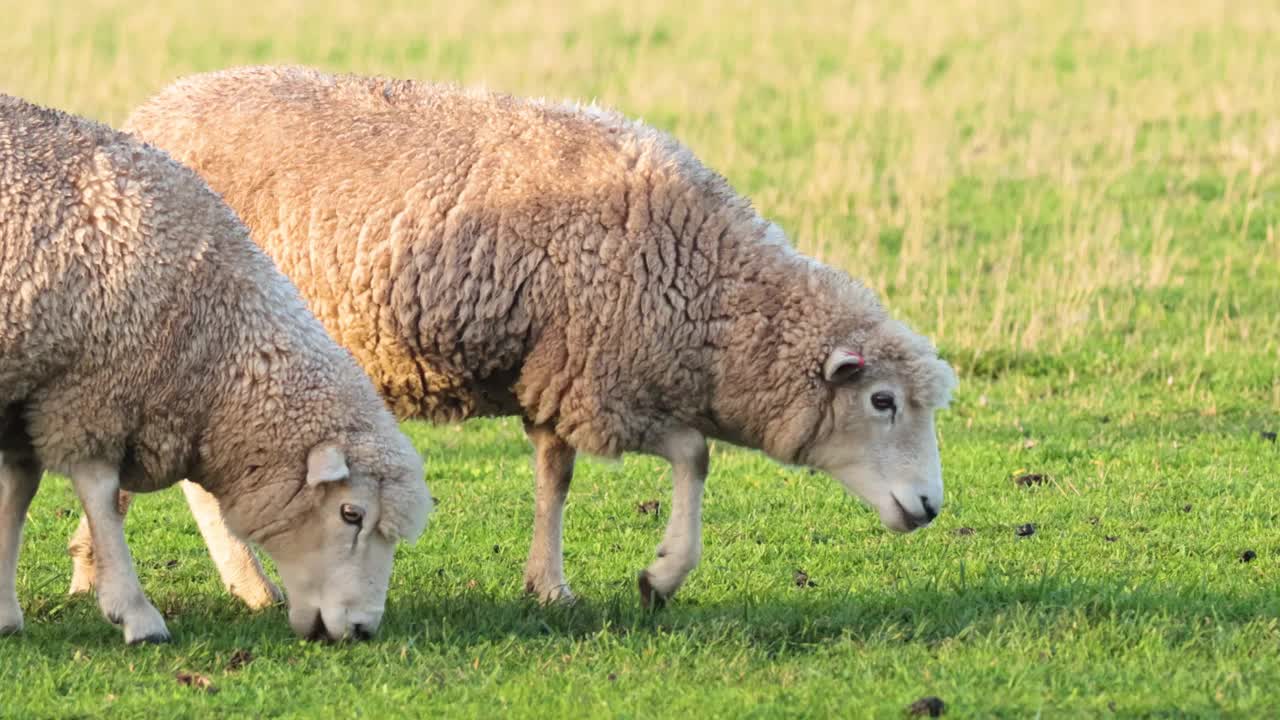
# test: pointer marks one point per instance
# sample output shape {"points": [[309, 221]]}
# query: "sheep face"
{"points": [[336, 560], [882, 444]]}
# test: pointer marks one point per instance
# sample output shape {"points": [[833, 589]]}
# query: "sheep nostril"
{"points": [[929, 511], [360, 632]]}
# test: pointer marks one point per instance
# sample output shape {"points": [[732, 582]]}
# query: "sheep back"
{"points": [[477, 253], [140, 326]]}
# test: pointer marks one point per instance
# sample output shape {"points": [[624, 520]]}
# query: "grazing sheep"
{"points": [[481, 254], [145, 339]]}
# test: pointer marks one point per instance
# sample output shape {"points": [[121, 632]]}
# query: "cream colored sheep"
{"points": [[481, 254], [144, 339]]}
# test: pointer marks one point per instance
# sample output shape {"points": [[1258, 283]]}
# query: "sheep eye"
{"points": [[883, 401], [352, 514]]}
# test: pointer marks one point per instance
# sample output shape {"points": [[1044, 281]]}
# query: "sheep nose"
{"points": [[361, 632], [929, 510]]}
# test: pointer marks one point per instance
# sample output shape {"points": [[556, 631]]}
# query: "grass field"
{"points": [[1079, 201]]}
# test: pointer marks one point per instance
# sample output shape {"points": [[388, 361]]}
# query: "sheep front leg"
{"points": [[681, 547], [239, 568], [553, 469], [18, 483], [80, 548], [120, 595]]}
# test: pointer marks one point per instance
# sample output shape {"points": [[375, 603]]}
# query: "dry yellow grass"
{"points": [[1014, 176]]}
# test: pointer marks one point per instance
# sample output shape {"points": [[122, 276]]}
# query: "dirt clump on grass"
{"points": [[1030, 479], [931, 706], [239, 659], [195, 681]]}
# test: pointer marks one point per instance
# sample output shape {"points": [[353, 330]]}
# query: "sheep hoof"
{"points": [[152, 639], [145, 625], [81, 580], [258, 595], [10, 615], [556, 594], [563, 599], [650, 598], [11, 625]]}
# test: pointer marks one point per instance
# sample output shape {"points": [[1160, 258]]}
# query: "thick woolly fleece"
{"points": [[483, 254], [140, 327]]}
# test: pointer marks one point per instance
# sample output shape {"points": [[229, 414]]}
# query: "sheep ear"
{"points": [[842, 366], [326, 463]]}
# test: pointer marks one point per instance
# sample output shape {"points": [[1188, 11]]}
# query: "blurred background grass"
{"points": [[1019, 179]]}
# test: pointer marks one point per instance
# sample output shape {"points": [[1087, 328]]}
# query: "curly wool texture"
{"points": [[140, 327], [481, 254]]}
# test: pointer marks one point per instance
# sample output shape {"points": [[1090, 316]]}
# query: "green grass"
{"points": [[1079, 201]]}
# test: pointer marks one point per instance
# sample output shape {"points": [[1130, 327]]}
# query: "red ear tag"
{"points": [[850, 362]]}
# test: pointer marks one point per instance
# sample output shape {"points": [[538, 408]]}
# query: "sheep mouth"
{"points": [[913, 522], [319, 633]]}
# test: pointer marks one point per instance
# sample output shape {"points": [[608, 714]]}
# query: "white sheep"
{"points": [[145, 339], [482, 254]]}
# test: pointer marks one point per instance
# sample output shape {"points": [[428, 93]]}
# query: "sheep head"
{"points": [[359, 495], [877, 436]]}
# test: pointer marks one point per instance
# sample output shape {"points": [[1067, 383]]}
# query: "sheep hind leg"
{"points": [[83, 573], [239, 568], [18, 483], [120, 594], [553, 470], [681, 547]]}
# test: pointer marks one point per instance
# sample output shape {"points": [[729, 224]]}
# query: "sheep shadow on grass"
{"points": [[793, 624], [925, 616]]}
